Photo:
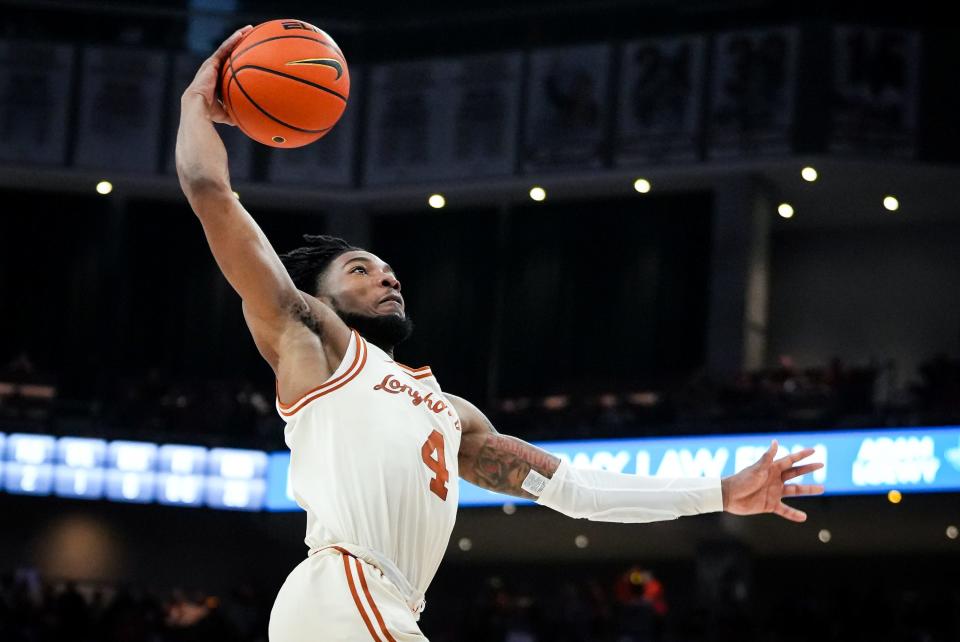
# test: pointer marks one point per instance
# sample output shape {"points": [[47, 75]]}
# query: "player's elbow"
{"points": [[199, 185], [207, 195]]}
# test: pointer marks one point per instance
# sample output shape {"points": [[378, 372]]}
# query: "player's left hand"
{"points": [[760, 488], [204, 84]]}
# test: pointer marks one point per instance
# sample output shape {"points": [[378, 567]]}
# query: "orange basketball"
{"points": [[285, 84]]}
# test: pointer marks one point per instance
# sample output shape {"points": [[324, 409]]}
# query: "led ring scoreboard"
{"points": [[855, 462]]}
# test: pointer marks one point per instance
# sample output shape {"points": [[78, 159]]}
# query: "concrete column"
{"points": [[739, 275]]}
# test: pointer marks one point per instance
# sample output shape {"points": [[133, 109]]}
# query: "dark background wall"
{"points": [[866, 293], [519, 301]]}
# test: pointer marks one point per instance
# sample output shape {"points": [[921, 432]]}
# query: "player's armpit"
{"points": [[493, 461]]}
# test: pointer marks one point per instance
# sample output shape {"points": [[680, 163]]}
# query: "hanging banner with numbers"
{"points": [[121, 109], [567, 108], [479, 131], [444, 119], [661, 97], [328, 161], [239, 146], [753, 93], [403, 140], [876, 80], [35, 83]]}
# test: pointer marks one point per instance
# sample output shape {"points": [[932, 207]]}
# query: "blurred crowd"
{"points": [[782, 397], [559, 605], [156, 405], [33, 610], [151, 405]]}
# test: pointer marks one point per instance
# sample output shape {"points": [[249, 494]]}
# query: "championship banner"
{"points": [[239, 147], [444, 119], [404, 142], [35, 82], [479, 130], [753, 90], [567, 107], [121, 109], [876, 87], [661, 97], [328, 161]]}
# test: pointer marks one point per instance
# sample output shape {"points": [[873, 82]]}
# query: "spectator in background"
{"points": [[641, 606]]}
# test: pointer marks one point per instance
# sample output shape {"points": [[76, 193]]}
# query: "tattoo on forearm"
{"points": [[503, 463]]}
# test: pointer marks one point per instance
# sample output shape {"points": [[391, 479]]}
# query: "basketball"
{"points": [[285, 83]]}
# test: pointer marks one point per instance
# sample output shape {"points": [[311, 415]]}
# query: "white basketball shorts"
{"points": [[332, 595]]}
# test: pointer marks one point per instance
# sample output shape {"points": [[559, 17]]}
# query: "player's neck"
{"points": [[386, 348], [385, 332]]}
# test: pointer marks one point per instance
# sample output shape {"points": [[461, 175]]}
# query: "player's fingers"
{"points": [[791, 490], [798, 471], [771, 452], [790, 460], [223, 117], [227, 45], [788, 512]]}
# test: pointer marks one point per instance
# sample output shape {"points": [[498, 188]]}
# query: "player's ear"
{"points": [[322, 286], [322, 294]]}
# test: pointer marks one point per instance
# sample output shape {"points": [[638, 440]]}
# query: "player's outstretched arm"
{"points": [[508, 465], [245, 256]]}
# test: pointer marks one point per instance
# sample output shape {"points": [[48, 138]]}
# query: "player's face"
{"points": [[359, 283]]}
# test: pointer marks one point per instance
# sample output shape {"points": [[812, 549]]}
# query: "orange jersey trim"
{"points": [[416, 373], [359, 360]]}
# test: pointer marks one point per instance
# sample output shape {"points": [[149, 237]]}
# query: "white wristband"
{"points": [[603, 496]]}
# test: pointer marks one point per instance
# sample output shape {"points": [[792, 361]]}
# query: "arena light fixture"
{"points": [[538, 194], [642, 185], [436, 201], [891, 203], [809, 174], [104, 187], [785, 210]]}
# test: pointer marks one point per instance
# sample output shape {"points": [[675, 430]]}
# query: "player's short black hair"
{"points": [[306, 264]]}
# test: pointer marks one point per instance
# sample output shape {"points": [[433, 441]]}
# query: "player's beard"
{"points": [[384, 331]]}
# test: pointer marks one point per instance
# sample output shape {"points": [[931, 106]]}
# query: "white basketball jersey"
{"points": [[374, 463]]}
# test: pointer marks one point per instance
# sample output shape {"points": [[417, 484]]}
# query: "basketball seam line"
{"points": [[227, 98], [271, 116], [291, 77]]}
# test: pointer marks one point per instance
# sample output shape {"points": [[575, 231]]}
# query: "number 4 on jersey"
{"points": [[434, 444]]}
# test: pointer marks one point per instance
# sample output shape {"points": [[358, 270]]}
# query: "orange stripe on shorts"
{"points": [[373, 605], [356, 598]]}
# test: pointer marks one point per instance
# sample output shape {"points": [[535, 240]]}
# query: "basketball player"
{"points": [[377, 446]]}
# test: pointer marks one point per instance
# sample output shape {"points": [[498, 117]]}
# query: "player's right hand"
{"points": [[205, 82], [759, 488]]}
